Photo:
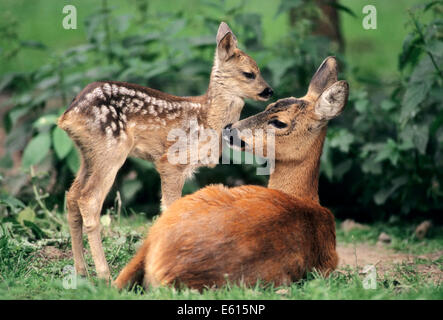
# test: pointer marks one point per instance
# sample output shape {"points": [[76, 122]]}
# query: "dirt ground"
{"points": [[385, 260]]}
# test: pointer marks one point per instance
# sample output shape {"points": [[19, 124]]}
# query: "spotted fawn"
{"points": [[109, 121]]}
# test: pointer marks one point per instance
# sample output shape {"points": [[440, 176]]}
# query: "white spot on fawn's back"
{"points": [[107, 89]]}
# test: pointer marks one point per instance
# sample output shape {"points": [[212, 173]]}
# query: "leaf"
{"points": [[62, 143], [431, 4], [6, 161], [36, 150], [26, 214], [382, 195], [414, 95], [370, 166], [73, 160], [174, 27], [388, 151], [120, 241], [387, 105], [342, 140], [362, 105], [38, 233], [435, 48], [6, 80], [11, 201], [286, 5], [421, 137], [411, 50], [105, 220], [437, 123], [46, 120], [279, 66], [33, 44], [141, 39], [342, 168], [342, 8], [326, 166]]}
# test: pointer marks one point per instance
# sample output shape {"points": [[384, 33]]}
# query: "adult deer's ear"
{"points": [[332, 101], [226, 42], [325, 76]]}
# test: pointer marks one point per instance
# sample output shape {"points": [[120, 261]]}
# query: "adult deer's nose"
{"points": [[227, 134], [232, 137], [266, 93]]}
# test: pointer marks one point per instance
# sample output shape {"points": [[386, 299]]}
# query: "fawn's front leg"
{"points": [[172, 180]]}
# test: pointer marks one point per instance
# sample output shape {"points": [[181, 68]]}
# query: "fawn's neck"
{"points": [[224, 106], [300, 178]]}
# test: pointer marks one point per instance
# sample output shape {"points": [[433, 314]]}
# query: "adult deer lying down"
{"points": [[251, 233]]}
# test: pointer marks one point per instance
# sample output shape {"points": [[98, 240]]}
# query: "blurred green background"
{"points": [[374, 51], [382, 159]]}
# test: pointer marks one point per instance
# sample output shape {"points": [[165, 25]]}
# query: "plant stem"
{"points": [[42, 205], [61, 83]]}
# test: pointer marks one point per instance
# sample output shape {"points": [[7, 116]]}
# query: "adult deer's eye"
{"points": [[249, 75], [277, 123]]}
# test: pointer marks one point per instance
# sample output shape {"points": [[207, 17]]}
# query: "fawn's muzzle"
{"points": [[266, 93]]}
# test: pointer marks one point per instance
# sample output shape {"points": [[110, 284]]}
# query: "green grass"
{"points": [[26, 272]]}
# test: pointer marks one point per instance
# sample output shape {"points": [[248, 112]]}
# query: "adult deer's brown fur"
{"points": [[251, 233], [110, 121]]}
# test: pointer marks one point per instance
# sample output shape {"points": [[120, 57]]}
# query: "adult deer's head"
{"points": [[298, 123]]}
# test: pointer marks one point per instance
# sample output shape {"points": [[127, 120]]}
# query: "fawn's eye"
{"points": [[277, 123], [249, 75]]}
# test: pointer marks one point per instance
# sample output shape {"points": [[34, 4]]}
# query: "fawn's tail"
{"points": [[133, 272]]}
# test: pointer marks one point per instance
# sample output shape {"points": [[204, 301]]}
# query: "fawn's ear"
{"points": [[325, 76], [332, 101], [226, 42]]}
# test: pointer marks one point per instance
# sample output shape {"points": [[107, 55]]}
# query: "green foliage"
{"points": [[383, 154], [395, 141]]}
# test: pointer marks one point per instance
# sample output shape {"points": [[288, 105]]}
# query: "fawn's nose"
{"points": [[266, 93]]}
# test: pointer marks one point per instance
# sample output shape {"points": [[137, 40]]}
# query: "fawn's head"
{"points": [[237, 71], [299, 124]]}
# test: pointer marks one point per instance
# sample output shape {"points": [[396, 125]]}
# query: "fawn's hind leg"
{"points": [[102, 169], [75, 221]]}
